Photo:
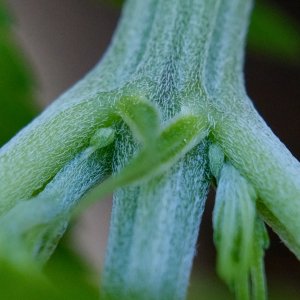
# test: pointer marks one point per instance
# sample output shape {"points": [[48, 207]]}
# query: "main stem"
{"points": [[154, 230], [169, 49]]}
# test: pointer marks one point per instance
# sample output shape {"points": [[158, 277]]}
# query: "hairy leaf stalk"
{"points": [[173, 74]]}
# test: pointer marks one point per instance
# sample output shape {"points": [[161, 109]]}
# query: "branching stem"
{"points": [[184, 59]]}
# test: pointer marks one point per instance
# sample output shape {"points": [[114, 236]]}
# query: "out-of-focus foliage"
{"points": [[64, 278], [70, 276], [274, 33], [16, 93], [17, 284]]}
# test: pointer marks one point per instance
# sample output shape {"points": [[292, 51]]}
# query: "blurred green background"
{"points": [[46, 46]]}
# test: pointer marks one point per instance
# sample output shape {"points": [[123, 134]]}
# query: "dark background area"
{"points": [[64, 39]]}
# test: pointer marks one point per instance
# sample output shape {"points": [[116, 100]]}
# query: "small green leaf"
{"points": [[239, 235], [102, 138], [261, 242], [216, 160], [141, 116], [175, 140]]}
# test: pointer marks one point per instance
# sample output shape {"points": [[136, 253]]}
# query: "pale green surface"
{"points": [[153, 234]]}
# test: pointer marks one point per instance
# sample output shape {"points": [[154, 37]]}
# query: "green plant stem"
{"points": [[154, 229]]}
